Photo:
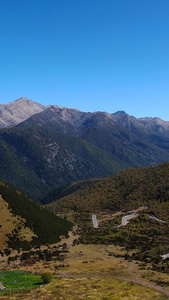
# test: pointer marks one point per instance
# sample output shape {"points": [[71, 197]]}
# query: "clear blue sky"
{"points": [[92, 55]]}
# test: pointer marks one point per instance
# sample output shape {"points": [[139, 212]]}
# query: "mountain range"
{"points": [[21, 109], [45, 147]]}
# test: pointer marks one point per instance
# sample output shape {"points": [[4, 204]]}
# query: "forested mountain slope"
{"points": [[37, 160]]}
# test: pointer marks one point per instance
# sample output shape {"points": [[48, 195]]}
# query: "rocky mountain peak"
{"points": [[119, 112], [22, 99], [17, 111]]}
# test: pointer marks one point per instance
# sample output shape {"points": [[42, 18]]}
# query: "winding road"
{"points": [[95, 222]]}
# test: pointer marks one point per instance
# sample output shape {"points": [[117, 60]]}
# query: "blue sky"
{"points": [[92, 55]]}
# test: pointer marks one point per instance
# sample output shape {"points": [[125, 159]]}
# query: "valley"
{"points": [[85, 267], [84, 197]]}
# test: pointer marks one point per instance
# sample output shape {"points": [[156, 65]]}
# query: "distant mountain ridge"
{"points": [[20, 110], [156, 124], [124, 137]]}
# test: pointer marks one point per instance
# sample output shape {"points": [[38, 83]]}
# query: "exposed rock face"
{"points": [[156, 124], [17, 111]]}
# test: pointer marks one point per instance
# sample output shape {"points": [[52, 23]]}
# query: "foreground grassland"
{"points": [[18, 280], [94, 288], [84, 288], [90, 272]]}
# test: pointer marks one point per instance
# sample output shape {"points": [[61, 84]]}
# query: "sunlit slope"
{"points": [[25, 223], [10, 222]]}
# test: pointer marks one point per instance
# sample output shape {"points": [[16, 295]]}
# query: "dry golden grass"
{"points": [[9, 222], [92, 258], [89, 272]]}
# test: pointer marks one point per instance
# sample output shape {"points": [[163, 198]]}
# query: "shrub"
{"points": [[47, 277]]}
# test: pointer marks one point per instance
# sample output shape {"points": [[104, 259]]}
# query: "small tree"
{"points": [[47, 277]]}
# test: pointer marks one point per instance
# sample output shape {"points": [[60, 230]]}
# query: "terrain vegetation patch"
{"points": [[16, 281], [90, 272]]}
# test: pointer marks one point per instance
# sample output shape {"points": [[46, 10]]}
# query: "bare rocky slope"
{"points": [[17, 111]]}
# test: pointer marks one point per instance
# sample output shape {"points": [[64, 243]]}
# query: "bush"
{"points": [[47, 277]]}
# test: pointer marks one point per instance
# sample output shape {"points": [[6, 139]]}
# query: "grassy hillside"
{"points": [[23, 223]]}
